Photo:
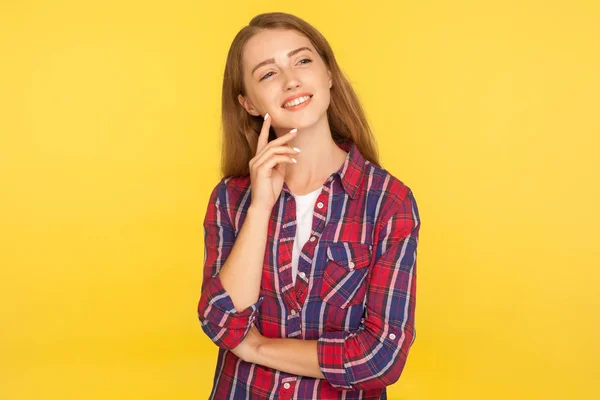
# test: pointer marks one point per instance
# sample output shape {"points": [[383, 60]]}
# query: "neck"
{"points": [[319, 157]]}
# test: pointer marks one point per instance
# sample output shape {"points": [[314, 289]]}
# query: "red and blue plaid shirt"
{"points": [[354, 293]]}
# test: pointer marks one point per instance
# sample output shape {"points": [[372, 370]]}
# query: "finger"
{"points": [[263, 137], [284, 139], [267, 166], [269, 151], [281, 167]]}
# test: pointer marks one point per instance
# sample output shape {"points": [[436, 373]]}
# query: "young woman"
{"points": [[310, 246]]}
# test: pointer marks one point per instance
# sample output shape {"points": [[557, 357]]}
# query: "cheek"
{"points": [[325, 98], [269, 99], [261, 97]]}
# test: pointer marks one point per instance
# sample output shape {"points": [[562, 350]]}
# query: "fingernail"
{"points": [[294, 130], [266, 116], [296, 149], [294, 160]]}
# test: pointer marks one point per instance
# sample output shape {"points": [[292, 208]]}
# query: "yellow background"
{"points": [[109, 129]]}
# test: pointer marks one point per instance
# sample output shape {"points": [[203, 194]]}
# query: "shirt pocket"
{"points": [[344, 276]]}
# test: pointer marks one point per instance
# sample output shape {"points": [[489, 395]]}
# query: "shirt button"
{"points": [[319, 205], [351, 265], [312, 238], [293, 312], [302, 275], [286, 385], [392, 336]]}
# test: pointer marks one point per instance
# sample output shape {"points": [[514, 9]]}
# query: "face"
{"points": [[285, 77]]}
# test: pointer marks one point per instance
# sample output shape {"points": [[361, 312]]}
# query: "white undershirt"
{"points": [[305, 206]]}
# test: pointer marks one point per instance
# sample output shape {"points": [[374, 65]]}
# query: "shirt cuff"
{"points": [[330, 350], [221, 322], [221, 312]]}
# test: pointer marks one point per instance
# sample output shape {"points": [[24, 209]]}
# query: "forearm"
{"points": [[294, 356], [241, 274]]}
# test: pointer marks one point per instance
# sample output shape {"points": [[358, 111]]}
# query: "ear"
{"points": [[247, 104], [330, 79]]}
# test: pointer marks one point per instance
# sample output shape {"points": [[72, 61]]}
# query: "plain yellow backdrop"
{"points": [[109, 148]]}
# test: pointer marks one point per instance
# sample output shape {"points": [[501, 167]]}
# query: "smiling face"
{"points": [[285, 77]]}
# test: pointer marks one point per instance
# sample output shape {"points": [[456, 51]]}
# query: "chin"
{"points": [[300, 120], [304, 121]]}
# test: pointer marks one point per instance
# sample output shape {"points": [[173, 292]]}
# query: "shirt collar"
{"points": [[352, 171]]}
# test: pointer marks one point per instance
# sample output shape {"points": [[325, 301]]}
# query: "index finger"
{"points": [[263, 137]]}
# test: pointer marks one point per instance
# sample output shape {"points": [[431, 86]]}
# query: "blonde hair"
{"points": [[346, 117]]}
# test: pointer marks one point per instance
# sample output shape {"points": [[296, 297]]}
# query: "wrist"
{"points": [[258, 212], [259, 351]]}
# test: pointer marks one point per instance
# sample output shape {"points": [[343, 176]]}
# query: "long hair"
{"points": [[346, 117]]}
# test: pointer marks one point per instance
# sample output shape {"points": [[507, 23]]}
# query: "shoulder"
{"points": [[226, 197], [383, 183], [393, 196], [228, 190]]}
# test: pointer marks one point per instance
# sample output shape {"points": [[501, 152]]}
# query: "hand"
{"points": [[267, 168], [248, 349]]}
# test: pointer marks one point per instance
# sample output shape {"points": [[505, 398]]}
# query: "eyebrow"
{"points": [[272, 60]]}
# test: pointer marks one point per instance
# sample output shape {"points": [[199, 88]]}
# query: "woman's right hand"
{"points": [[267, 167]]}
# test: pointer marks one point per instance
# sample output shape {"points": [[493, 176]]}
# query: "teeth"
{"points": [[297, 101]]}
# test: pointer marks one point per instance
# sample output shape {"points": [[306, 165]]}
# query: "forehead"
{"points": [[272, 43]]}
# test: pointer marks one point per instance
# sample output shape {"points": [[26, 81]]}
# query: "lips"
{"points": [[294, 97]]}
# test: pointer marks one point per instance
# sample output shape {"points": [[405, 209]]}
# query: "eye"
{"points": [[305, 59], [267, 75]]}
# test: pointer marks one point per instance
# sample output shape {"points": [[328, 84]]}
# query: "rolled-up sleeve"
{"points": [[220, 320], [374, 355]]}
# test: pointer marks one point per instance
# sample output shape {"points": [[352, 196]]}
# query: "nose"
{"points": [[291, 81]]}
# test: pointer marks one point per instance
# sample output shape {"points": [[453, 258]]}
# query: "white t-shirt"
{"points": [[305, 206]]}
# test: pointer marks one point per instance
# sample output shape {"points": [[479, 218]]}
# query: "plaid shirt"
{"points": [[354, 293]]}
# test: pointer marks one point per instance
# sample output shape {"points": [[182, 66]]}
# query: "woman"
{"points": [[310, 246]]}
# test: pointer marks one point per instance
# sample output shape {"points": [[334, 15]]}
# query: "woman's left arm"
{"points": [[374, 355], [294, 356]]}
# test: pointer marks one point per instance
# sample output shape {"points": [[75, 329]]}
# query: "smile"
{"points": [[296, 102]]}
